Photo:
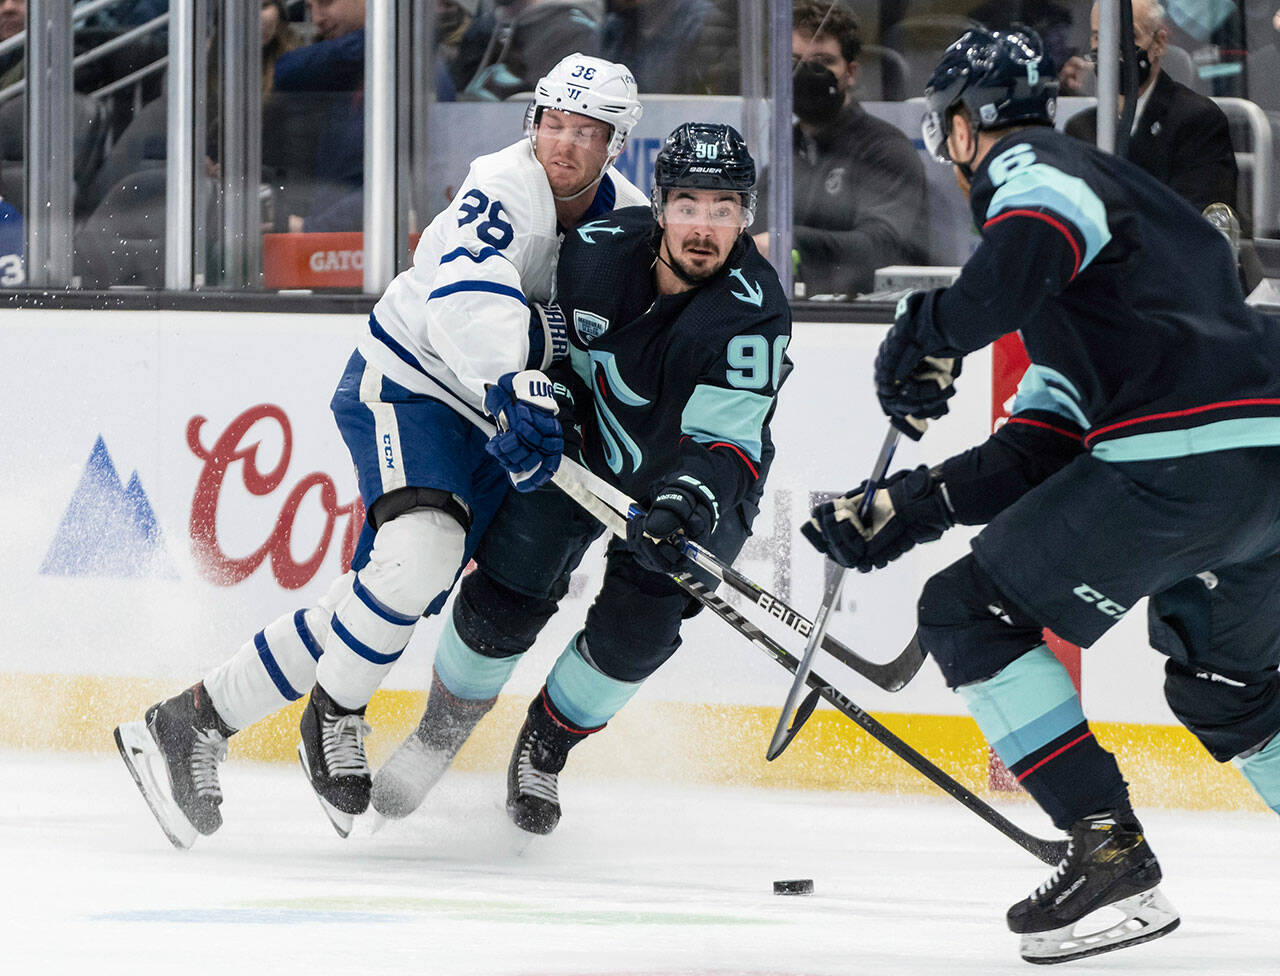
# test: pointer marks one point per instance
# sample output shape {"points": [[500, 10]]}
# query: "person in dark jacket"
{"points": [[858, 186], [1141, 460], [505, 51], [1179, 136], [676, 46]]}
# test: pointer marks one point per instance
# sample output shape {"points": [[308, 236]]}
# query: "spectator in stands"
{"points": [[675, 46], [1178, 136], [13, 272], [507, 49], [858, 185], [278, 37], [13, 20], [321, 87], [1264, 67], [453, 17]]}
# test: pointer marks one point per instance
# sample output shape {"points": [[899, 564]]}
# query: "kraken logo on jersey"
{"points": [[588, 231], [754, 293], [604, 373], [589, 326]]}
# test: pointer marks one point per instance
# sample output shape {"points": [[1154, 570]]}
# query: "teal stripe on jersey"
{"points": [[1024, 707], [1043, 388], [584, 696], [609, 363], [467, 674], [1262, 770], [714, 413], [1041, 185], [1224, 435]]}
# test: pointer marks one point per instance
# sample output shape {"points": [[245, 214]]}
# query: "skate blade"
{"points": [[342, 821], [1148, 916], [150, 772]]}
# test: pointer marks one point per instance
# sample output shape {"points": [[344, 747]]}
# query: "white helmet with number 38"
{"points": [[592, 87]]}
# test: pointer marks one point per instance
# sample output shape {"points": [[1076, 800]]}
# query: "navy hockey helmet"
{"points": [[705, 156], [998, 76]]}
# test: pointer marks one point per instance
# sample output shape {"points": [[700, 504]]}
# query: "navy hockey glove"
{"points": [[910, 508], [528, 443], [548, 335], [683, 509], [913, 388]]}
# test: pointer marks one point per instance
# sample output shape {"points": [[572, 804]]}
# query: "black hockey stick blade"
{"points": [[797, 723], [1049, 851]]}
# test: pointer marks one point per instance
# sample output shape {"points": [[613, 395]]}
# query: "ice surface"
{"points": [[640, 879]]}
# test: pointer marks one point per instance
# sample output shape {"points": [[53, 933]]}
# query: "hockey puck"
{"points": [[801, 886]]}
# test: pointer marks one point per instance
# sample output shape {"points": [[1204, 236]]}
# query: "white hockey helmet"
{"points": [[593, 87]]}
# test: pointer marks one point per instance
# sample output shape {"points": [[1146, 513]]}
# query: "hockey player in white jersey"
{"points": [[465, 331]]}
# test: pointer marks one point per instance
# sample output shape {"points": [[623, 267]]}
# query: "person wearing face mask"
{"points": [[858, 186], [1179, 136]]}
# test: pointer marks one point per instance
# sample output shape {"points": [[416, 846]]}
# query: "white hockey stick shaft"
{"points": [[784, 732]]}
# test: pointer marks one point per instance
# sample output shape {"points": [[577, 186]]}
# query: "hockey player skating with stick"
{"points": [[452, 337], [678, 332], [1142, 459]]}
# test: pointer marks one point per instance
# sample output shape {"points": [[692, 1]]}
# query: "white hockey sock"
{"points": [[276, 666], [415, 557]]}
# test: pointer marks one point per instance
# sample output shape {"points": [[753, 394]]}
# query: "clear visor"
{"points": [[560, 125], [935, 137], [718, 213]]}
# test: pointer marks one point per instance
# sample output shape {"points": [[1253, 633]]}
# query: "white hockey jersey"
{"points": [[459, 317]]}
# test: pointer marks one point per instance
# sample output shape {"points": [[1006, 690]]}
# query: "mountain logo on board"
{"points": [[108, 529]]}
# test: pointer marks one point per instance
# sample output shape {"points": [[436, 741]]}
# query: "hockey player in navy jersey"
{"points": [[678, 333], [1142, 459], [461, 336]]}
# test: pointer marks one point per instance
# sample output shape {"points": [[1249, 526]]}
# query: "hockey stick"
{"points": [[891, 675], [1048, 851], [782, 735], [582, 484]]}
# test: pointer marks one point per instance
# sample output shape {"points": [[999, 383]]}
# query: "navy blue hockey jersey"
{"points": [[1125, 297], [671, 383]]}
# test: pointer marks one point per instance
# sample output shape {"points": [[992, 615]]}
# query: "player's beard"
{"points": [[962, 180], [708, 264]]}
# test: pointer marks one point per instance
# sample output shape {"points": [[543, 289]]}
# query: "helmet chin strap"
{"points": [[594, 183], [967, 167]]}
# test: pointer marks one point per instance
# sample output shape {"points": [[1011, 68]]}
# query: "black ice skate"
{"points": [[416, 766], [332, 756], [173, 756], [533, 800], [1108, 866]]}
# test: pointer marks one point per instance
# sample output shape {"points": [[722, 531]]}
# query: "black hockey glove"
{"points": [[683, 509], [570, 429], [913, 388], [910, 508]]}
